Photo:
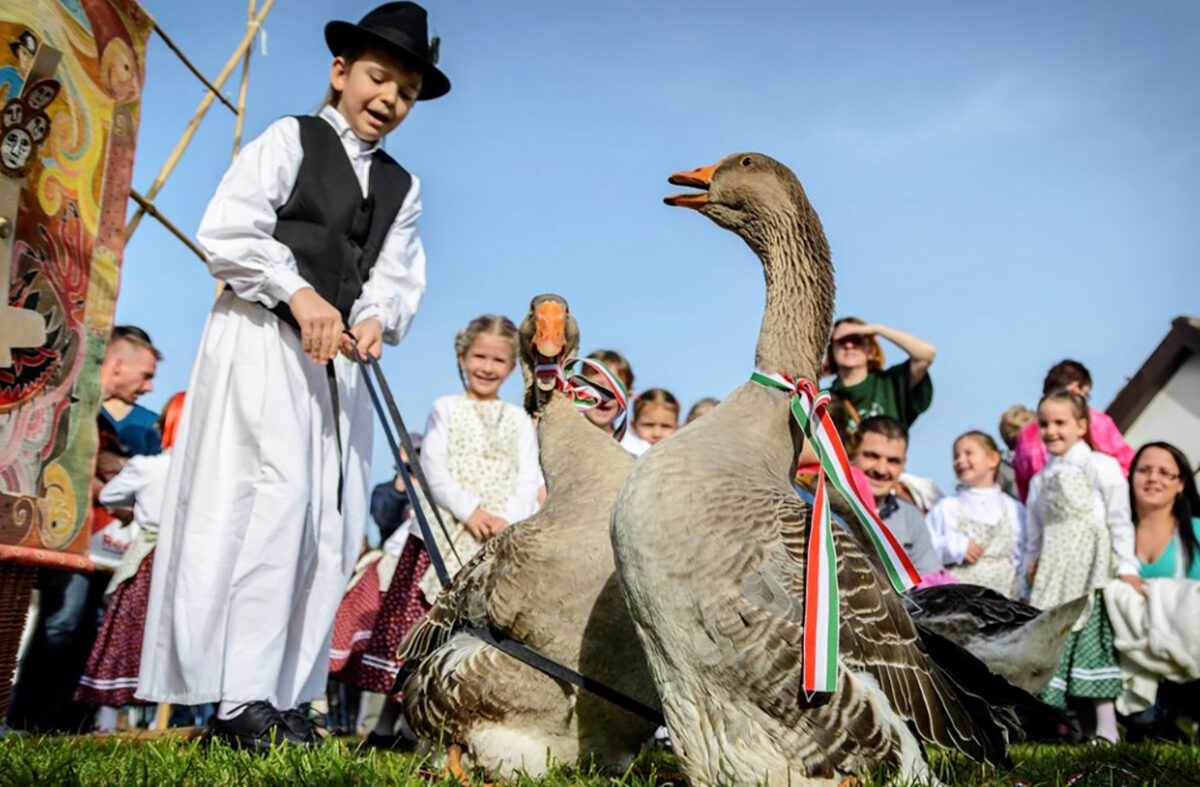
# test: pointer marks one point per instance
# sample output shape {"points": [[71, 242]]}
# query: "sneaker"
{"points": [[256, 728]]}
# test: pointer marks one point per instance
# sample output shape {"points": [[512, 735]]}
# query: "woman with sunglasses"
{"points": [[903, 391], [1166, 519]]}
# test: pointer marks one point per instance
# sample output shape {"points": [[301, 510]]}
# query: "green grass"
{"points": [[79, 761]]}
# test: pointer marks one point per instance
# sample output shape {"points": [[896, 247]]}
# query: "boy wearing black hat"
{"points": [[312, 229]]}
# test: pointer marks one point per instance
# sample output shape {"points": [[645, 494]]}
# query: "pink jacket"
{"points": [[1030, 455]]}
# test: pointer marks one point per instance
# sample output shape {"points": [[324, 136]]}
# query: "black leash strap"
{"points": [[525, 654], [435, 555]]}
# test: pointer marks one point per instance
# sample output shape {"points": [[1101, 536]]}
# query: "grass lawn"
{"points": [[71, 761]]}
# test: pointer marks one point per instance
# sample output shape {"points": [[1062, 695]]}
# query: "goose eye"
{"points": [[746, 161]]}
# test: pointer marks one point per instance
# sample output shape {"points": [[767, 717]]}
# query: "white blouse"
{"points": [[452, 495], [1110, 498], [143, 482], [986, 505], [237, 230]]}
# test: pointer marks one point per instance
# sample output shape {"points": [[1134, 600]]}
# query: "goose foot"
{"points": [[453, 769], [850, 781]]}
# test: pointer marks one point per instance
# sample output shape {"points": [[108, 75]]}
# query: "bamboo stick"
{"points": [[146, 206], [241, 105], [179, 53], [190, 131]]}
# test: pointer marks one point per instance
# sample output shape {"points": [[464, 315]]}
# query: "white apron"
{"points": [[253, 554]]}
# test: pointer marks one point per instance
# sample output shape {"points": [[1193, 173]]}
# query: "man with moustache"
{"points": [[881, 454]]}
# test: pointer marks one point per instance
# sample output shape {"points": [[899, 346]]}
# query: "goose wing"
{"points": [[764, 620]]}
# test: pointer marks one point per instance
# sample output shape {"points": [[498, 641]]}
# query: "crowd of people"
{"points": [[233, 578]]}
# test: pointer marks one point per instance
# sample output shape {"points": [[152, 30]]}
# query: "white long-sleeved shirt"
{"points": [[142, 482], [986, 505], [456, 498], [1110, 498], [237, 231]]}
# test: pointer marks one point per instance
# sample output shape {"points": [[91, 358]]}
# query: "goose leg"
{"points": [[453, 769]]}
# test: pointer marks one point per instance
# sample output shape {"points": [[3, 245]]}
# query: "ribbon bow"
{"points": [[587, 394], [810, 409]]}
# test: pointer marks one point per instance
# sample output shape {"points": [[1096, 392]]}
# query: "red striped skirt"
{"points": [[370, 624], [111, 674]]}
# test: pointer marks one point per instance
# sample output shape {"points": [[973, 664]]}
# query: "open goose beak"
{"points": [[550, 335], [697, 178]]}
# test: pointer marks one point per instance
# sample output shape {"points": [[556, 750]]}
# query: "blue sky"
{"points": [[1015, 182]]}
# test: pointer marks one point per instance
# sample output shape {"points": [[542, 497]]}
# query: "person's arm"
{"points": [[1115, 492], [524, 500], [1033, 527], [949, 541], [447, 492], [122, 488], [1020, 519], [920, 352], [238, 227], [394, 287]]}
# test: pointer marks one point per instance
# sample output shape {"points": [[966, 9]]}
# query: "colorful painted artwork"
{"points": [[71, 76]]}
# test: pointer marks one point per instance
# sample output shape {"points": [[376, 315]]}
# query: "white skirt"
{"points": [[253, 553]]}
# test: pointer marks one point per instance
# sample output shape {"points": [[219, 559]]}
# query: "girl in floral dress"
{"points": [[480, 456], [979, 532], [1079, 536]]}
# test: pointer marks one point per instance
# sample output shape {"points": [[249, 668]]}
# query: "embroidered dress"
{"points": [[1081, 534], [990, 518], [111, 674], [380, 606], [477, 454]]}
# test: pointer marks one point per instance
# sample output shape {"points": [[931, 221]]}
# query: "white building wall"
{"points": [[1173, 414]]}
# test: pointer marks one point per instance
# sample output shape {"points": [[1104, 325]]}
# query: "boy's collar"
{"points": [[342, 127]]}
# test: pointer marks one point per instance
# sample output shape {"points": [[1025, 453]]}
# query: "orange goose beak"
{"points": [[696, 178], [550, 331]]}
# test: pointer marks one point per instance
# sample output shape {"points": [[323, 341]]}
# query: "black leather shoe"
{"points": [[299, 727], [256, 728]]}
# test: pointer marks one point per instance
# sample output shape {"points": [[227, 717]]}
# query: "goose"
{"points": [[1019, 642], [547, 582], [709, 538]]}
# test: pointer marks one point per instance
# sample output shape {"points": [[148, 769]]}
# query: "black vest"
{"points": [[335, 234]]}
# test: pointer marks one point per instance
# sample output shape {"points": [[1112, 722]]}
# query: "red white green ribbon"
{"points": [[587, 394], [810, 409]]}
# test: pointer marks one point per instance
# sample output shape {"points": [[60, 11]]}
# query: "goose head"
{"points": [[549, 335], [748, 193]]}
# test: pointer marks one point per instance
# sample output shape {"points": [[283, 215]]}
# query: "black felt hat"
{"points": [[398, 26]]}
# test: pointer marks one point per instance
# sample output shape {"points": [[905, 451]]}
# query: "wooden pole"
{"points": [[190, 131], [239, 124], [179, 53], [146, 206]]}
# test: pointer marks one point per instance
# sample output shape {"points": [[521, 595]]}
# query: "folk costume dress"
{"points": [[111, 674], [477, 454], [1080, 531], [267, 496], [990, 518]]}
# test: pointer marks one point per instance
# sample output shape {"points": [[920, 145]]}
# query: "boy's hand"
{"points": [[369, 333], [320, 324]]}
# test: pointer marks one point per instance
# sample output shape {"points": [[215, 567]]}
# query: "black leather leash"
{"points": [[517, 650]]}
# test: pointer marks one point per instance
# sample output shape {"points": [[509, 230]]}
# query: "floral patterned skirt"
{"points": [[111, 674], [372, 621]]}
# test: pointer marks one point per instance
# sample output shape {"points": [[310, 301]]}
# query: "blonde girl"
{"points": [[1080, 535], [479, 453], [979, 531]]}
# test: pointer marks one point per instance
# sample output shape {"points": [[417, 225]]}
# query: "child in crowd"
{"points": [[1012, 422], [607, 414], [111, 674], [312, 230], [479, 453], [701, 407], [1030, 455], [979, 531], [655, 415], [1079, 536]]}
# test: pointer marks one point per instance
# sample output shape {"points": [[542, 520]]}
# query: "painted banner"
{"points": [[71, 76]]}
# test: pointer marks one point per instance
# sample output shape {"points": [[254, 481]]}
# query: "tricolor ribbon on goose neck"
{"points": [[810, 409], [586, 394]]}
